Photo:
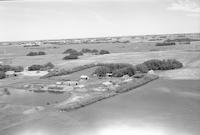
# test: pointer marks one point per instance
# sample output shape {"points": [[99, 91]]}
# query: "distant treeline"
{"points": [[165, 44], [74, 54], [169, 42]]}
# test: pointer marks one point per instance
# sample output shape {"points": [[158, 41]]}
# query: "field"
{"points": [[169, 102]]}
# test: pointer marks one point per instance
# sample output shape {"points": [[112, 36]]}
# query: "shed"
{"points": [[109, 74], [71, 83], [107, 83], [59, 83], [10, 73], [125, 77], [84, 77], [80, 86], [151, 72]]}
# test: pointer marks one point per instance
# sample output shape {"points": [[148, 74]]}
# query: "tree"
{"points": [[32, 54], [2, 75], [142, 68], [49, 65], [18, 69]]}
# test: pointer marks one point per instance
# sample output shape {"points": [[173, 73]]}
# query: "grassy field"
{"points": [[16, 55], [133, 53]]}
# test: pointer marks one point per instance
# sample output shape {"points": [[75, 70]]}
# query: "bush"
{"points": [[49, 65], [95, 51], [2, 75], [32, 54], [72, 52], [86, 50], [76, 53], [18, 69], [163, 64], [142, 68], [36, 53], [104, 52], [70, 57]]}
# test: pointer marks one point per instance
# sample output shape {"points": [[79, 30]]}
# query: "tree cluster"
{"points": [[46, 66], [102, 52], [36, 53], [86, 50], [117, 70], [5, 68], [168, 64]]}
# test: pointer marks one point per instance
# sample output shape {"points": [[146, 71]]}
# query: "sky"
{"points": [[58, 19]]}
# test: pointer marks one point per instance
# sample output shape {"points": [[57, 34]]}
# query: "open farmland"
{"points": [[169, 102]]}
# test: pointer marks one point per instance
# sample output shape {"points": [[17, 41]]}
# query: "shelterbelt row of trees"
{"points": [[120, 69], [74, 54]]}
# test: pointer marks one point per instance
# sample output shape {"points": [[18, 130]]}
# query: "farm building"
{"points": [[109, 74], [71, 83], [125, 77], [10, 73], [59, 83], [84, 77], [151, 72], [80, 86], [108, 83]]}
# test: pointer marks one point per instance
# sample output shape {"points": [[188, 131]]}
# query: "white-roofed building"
{"points": [[84, 77]]}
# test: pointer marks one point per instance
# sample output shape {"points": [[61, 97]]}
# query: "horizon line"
{"points": [[100, 37]]}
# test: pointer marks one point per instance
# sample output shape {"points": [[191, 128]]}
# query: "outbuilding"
{"points": [[151, 72], [71, 83], [108, 83], [10, 73], [84, 77], [109, 74]]}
